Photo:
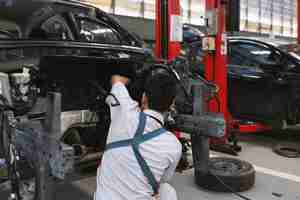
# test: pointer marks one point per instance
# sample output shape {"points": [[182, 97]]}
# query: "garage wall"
{"points": [[192, 10], [269, 16], [278, 17], [145, 28]]}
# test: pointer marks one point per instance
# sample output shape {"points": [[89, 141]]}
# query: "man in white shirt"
{"points": [[121, 176]]}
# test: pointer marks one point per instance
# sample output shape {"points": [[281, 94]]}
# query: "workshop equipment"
{"points": [[36, 135], [207, 119], [215, 46]]}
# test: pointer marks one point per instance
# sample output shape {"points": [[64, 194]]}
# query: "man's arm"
{"points": [[121, 94], [169, 173]]}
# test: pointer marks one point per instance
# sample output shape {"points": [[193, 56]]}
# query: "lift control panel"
{"points": [[211, 21]]}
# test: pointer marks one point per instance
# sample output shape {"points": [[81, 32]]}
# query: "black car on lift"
{"points": [[263, 77], [64, 44]]}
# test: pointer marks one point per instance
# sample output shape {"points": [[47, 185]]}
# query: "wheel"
{"points": [[289, 150], [279, 122], [237, 174], [71, 137]]}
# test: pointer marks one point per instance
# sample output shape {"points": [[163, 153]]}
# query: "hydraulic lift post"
{"points": [[168, 31], [215, 44], [215, 60]]}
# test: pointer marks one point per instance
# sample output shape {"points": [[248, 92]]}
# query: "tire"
{"points": [[238, 175], [72, 136], [288, 150]]}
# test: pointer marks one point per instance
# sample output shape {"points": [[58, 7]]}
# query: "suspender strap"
{"points": [[138, 139], [139, 132], [142, 124], [122, 143], [150, 135], [146, 170]]}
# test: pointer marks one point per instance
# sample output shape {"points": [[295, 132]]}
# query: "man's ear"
{"points": [[145, 103]]}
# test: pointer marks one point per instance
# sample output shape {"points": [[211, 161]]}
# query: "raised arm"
{"points": [[120, 92]]}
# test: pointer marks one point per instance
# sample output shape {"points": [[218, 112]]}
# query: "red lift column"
{"points": [[216, 60], [168, 32]]}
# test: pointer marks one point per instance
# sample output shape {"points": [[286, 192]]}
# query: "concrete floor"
{"points": [[275, 174]]}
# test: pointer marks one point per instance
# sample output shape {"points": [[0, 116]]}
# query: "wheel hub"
{"points": [[227, 166]]}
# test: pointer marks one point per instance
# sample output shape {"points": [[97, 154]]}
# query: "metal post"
{"points": [[259, 16], [52, 126], [282, 17], [53, 122], [113, 6], [200, 143], [272, 17]]}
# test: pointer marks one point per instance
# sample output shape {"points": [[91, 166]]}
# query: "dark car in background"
{"points": [[263, 77]]}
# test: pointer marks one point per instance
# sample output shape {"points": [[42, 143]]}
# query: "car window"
{"points": [[93, 31], [4, 35], [252, 55], [54, 28]]}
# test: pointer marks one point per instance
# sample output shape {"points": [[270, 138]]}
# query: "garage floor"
{"points": [[277, 177]]}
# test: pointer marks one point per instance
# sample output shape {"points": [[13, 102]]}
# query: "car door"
{"points": [[251, 82]]}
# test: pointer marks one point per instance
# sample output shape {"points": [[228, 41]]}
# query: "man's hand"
{"points": [[118, 78]]}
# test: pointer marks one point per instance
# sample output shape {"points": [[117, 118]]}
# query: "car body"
{"points": [[76, 47], [263, 78]]}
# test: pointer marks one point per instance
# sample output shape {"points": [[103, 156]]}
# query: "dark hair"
{"points": [[161, 90]]}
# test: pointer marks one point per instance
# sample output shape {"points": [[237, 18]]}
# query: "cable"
{"points": [[230, 189]]}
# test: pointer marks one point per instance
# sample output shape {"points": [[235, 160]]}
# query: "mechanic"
{"points": [[126, 174]]}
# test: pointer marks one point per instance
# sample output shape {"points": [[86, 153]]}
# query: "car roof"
{"points": [[267, 40]]}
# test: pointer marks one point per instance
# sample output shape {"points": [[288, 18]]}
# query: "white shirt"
{"points": [[120, 176]]}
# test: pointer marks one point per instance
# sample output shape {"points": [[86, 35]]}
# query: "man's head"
{"points": [[160, 91]]}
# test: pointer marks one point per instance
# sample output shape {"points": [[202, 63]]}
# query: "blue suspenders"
{"points": [[138, 139]]}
